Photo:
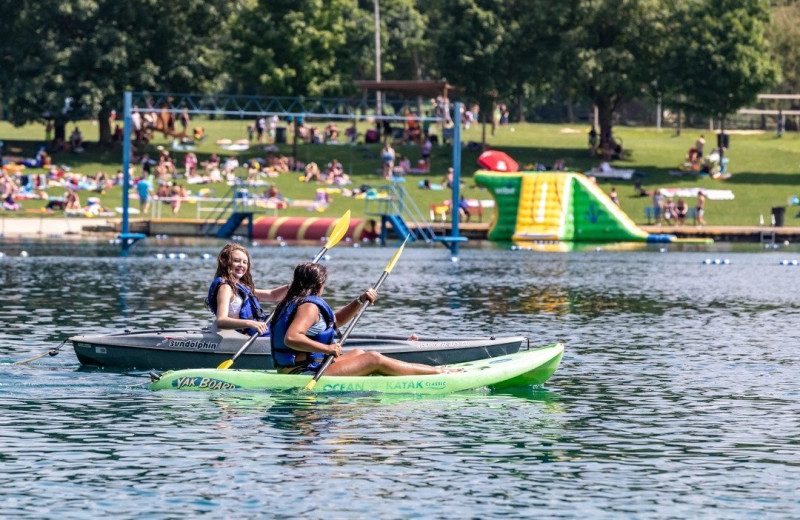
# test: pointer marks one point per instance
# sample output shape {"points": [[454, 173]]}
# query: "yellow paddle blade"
{"points": [[225, 365], [311, 384], [339, 230], [396, 256]]}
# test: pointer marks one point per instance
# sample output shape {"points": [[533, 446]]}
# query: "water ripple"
{"points": [[677, 396]]}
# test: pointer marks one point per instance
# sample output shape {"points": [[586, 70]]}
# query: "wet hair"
{"points": [[225, 266], [308, 280]]}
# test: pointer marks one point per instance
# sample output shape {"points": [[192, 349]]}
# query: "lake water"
{"points": [[678, 395]]}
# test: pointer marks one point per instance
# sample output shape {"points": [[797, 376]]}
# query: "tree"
{"points": [[533, 48], [494, 49], [784, 37], [407, 51], [722, 62], [296, 47], [71, 58], [468, 38], [610, 52]]}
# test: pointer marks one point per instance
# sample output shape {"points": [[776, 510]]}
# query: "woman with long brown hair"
{"points": [[233, 297]]}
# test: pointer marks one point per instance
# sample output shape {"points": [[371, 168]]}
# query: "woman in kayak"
{"points": [[233, 297], [304, 328]]}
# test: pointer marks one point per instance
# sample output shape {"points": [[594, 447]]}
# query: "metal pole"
{"points": [[456, 174], [126, 160], [378, 107]]}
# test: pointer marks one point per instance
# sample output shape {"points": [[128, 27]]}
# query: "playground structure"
{"points": [[171, 104], [557, 207]]}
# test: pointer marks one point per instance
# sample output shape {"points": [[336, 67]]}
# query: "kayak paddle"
{"points": [[329, 359], [339, 230]]}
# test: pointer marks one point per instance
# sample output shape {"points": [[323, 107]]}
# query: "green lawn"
{"points": [[764, 167]]}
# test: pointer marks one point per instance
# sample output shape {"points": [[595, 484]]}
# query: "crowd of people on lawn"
{"points": [[168, 175]]}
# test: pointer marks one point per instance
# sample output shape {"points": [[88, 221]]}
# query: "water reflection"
{"points": [[677, 395]]}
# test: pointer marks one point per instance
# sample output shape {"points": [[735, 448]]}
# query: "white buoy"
{"points": [[794, 262], [726, 261], [182, 256], [786, 242], [283, 244], [662, 250], [205, 256], [23, 254], [327, 257], [454, 259], [255, 244], [2, 255], [717, 261], [707, 261], [159, 256], [598, 249]]}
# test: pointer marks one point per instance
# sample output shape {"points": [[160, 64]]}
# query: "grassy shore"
{"points": [[764, 167]]}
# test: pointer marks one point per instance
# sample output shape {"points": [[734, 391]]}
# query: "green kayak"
{"points": [[528, 367]]}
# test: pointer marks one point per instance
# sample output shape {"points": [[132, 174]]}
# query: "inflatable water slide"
{"points": [[557, 206]]}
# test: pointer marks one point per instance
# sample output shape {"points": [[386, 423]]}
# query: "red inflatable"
{"points": [[311, 228]]}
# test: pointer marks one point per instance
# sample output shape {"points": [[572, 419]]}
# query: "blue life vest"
{"points": [[282, 354], [251, 310]]}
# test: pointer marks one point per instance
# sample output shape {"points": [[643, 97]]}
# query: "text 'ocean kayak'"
{"points": [[530, 367]]}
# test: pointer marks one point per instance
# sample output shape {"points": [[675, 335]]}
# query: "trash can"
{"points": [[779, 213], [280, 135]]}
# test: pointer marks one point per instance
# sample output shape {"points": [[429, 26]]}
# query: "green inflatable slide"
{"points": [[559, 206]]}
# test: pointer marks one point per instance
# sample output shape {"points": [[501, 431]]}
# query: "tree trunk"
{"points": [[104, 127], [570, 111], [60, 129], [605, 115]]}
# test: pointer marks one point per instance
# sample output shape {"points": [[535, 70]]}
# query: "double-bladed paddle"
{"points": [[339, 230], [329, 358]]}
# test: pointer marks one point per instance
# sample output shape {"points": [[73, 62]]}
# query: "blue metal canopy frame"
{"points": [[230, 105]]}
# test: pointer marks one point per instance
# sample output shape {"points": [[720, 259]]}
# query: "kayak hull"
{"points": [[206, 348], [528, 367]]}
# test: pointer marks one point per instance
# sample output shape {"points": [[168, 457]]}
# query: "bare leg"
{"points": [[360, 363]]}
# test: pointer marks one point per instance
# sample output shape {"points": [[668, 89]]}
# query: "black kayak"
{"points": [[165, 349]]}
